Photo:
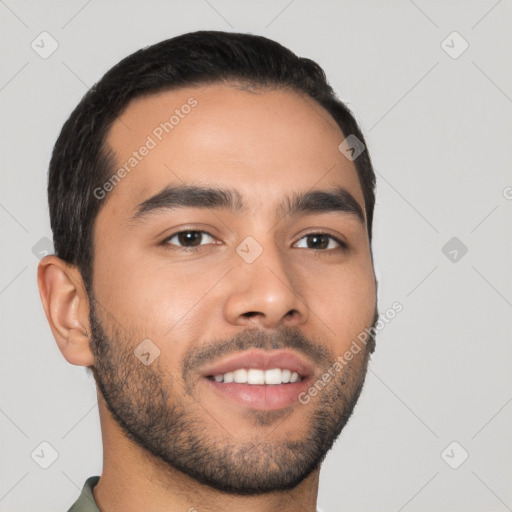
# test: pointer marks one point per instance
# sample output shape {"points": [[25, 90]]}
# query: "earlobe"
{"points": [[66, 306]]}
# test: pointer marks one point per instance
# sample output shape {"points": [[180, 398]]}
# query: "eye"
{"points": [[320, 242], [189, 238]]}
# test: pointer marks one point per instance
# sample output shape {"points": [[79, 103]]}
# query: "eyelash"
{"points": [[342, 245]]}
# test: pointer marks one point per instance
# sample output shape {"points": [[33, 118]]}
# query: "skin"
{"points": [[266, 144]]}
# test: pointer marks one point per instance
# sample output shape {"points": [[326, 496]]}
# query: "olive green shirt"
{"points": [[85, 502]]}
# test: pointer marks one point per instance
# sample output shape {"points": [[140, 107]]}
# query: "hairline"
{"points": [[242, 84]]}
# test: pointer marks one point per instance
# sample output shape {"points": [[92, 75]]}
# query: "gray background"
{"points": [[438, 129]]}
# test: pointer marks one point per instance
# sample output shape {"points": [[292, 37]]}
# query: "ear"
{"points": [[66, 305]]}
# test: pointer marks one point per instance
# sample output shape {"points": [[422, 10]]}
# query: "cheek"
{"points": [[343, 300], [162, 300]]}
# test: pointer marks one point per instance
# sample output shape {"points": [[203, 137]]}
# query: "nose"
{"points": [[264, 293]]}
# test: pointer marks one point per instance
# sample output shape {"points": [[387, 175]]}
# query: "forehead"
{"points": [[262, 142]]}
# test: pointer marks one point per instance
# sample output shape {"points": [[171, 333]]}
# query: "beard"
{"points": [[160, 413]]}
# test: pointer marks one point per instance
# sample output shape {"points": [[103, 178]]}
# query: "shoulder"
{"points": [[85, 502]]}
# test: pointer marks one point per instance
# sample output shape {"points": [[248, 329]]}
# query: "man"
{"points": [[211, 203]]}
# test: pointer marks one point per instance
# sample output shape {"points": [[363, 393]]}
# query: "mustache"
{"points": [[286, 337]]}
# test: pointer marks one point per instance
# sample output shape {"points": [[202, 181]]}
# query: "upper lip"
{"points": [[262, 360]]}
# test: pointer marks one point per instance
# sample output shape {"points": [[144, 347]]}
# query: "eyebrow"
{"points": [[300, 203]]}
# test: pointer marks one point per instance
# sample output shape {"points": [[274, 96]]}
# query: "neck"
{"points": [[133, 480]]}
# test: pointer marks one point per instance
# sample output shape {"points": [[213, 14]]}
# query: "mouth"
{"points": [[260, 380], [255, 376]]}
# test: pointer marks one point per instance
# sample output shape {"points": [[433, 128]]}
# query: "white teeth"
{"points": [[273, 376], [255, 376], [240, 376]]}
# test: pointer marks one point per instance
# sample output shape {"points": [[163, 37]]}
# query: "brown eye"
{"points": [[189, 238], [320, 242]]}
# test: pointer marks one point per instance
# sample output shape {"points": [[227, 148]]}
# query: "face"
{"points": [[232, 270]]}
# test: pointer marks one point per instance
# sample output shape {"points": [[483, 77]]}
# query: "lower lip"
{"points": [[269, 397]]}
